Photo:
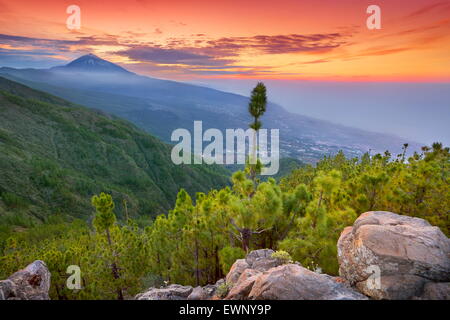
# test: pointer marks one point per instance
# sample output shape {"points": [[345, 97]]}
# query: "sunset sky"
{"points": [[284, 39]]}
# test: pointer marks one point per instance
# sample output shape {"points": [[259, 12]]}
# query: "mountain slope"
{"points": [[160, 106], [55, 155]]}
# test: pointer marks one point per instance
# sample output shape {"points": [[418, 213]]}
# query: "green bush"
{"points": [[282, 256], [228, 255], [223, 289]]}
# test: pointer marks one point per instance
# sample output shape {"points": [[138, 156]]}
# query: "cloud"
{"points": [[226, 50], [162, 55], [13, 52], [28, 59], [316, 61], [279, 44], [197, 53], [58, 44]]}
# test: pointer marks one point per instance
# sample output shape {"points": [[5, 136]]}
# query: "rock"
{"points": [[384, 256], [220, 282], [244, 285], [397, 287], [255, 255], [196, 294], [436, 291], [245, 272], [262, 260], [172, 292], [293, 282], [31, 283], [236, 270], [389, 256], [203, 293]]}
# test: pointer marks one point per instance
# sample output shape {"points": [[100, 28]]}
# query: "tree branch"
{"points": [[260, 231], [234, 225]]}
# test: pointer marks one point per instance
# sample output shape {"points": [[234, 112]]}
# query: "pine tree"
{"points": [[257, 107], [253, 211], [313, 240], [103, 222]]}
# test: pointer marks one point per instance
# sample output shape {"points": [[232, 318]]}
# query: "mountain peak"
{"points": [[91, 63]]}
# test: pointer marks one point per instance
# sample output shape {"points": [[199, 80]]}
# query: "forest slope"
{"points": [[55, 155]]}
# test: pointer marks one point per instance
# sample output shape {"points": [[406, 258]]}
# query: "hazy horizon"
{"points": [[407, 110], [322, 60], [416, 111]]}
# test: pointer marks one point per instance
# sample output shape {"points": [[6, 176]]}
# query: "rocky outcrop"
{"points": [[436, 291], [31, 283], [178, 292], [171, 292], [244, 272], [389, 256], [203, 293], [258, 260], [267, 278], [261, 260], [236, 270], [293, 282], [244, 285], [382, 256]]}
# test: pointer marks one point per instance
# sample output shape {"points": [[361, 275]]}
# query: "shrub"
{"points": [[223, 289], [283, 256]]}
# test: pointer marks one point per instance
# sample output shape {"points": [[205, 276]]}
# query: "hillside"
{"points": [[160, 106], [55, 155], [203, 241]]}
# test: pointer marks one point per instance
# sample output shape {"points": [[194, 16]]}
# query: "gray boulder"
{"points": [[259, 260], [389, 256], [260, 276], [31, 283], [262, 260], [172, 292], [203, 293], [293, 282], [436, 291]]}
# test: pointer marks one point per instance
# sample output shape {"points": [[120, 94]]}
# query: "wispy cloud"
{"points": [[197, 54], [279, 44], [60, 45], [225, 51]]}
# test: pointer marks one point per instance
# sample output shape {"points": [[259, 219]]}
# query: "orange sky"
{"points": [[284, 39]]}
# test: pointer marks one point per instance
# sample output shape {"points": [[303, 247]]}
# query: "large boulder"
{"points": [[244, 285], [389, 256], [31, 283], [293, 282], [262, 260], [259, 260], [259, 276], [203, 293], [436, 291], [236, 270], [172, 292]]}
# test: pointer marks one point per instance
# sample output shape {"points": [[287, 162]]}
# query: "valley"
{"points": [[161, 106]]}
